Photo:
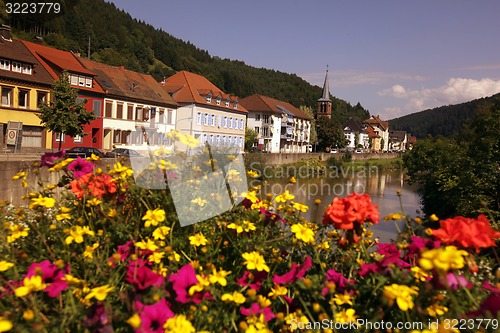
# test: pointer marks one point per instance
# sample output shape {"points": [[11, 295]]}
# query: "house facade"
{"points": [[355, 134], [206, 112], [24, 84], [137, 112], [280, 126], [398, 140], [381, 128], [56, 61]]}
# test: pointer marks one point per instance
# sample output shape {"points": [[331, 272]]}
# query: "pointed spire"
{"points": [[326, 90]]}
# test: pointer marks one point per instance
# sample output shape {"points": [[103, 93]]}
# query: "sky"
{"points": [[394, 57]]}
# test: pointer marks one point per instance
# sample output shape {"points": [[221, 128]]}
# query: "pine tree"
{"points": [[64, 115]]}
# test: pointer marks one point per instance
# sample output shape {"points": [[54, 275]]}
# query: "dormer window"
{"points": [[16, 67], [5, 64], [209, 99], [235, 105], [227, 103], [27, 69], [218, 101]]}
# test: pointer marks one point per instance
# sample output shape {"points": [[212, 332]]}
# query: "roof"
{"points": [[353, 125], [400, 135], [371, 132], [121, 82], [325, 97], [375, 120], [56, 61], [260, 103], [187, 87], [14, 50]]}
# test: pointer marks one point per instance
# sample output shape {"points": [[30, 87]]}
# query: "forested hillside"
{"points": [[445, 120], [116, 38]]}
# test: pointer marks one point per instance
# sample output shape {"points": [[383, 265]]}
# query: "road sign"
{"points": [[11, 137]]}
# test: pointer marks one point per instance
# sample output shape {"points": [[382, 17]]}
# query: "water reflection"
{"points": [[381, 186]]}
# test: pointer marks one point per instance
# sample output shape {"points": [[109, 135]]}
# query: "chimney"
{"points": [[5, 32], [77, 54]]}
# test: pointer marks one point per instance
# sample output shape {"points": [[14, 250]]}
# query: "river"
{"points": [[382, 186]]}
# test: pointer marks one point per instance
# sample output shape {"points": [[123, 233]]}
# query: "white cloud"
{"points": [[456, 90]]}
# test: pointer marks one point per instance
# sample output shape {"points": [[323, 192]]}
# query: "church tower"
{"points": [[325, 103]]}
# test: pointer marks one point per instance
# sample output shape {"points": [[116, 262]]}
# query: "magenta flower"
{"points": [[182, 281], [154, 316], [51, 275], [296, 272], [256, 310], [80, 167], [49, 159], [254, 282], [341, 282], [489, 307], [141, 276]]}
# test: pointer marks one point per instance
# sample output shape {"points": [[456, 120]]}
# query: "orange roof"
{"points": [[267, 104], [56, 61], [376, 120], [127, 84], [187, 87], [371, 132]]}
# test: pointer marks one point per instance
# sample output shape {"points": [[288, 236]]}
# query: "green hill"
{"points": [[445, 120], [116, 38]]}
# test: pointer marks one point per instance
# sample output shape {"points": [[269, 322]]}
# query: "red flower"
{"points": [[347, 212], [96, 185], [467, 232]]}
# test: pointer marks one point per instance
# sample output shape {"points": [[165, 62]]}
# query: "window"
{"points": [[17, 67], [119, 111], [96, 106], [88, 82], [138, 113], [130, 112], [241, 124], [23, 98], [266, 119], [230, 123], [256, 129], [170, 117], [5, 64], [77, 139], [235, 123], [209, 120], [209, 99], [59, 137], [235, 105], [257, 117], [227, 103], [81, 81], [218, 101], [223, 121], [41, 97], [205, 119], [73, 79], [117, 136], [108, 110], [161, 117], [214, 120], [27, 69], [6, 96], [198, 118]]}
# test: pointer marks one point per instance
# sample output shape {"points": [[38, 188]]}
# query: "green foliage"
{"points": [[250, 138], [462, 176], [445, 120], [63, 114], [330, 134]]}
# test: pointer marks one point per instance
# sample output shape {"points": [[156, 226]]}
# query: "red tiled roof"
{"points": [[55, 61], [268, 104], [371, 132], [16, 51], [187, 87], [127, 84], [376, 120]]}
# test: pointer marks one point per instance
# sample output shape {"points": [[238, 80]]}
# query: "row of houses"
{"points": [[132, 109]]}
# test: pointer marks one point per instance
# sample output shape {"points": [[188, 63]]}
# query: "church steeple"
{"points": [[325, 103]]}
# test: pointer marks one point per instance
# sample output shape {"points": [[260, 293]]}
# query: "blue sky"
{"points": [[394, 57]]}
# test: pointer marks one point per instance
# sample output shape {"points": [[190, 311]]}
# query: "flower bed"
{"points": [[110, 256]]}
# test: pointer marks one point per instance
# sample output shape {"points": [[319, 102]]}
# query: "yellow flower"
{"points": [[156, 257], [93, 202], [341, 299], [112, 213], [148, 245], [346, 316], [419, 273], [161, 232], [42, 202], [254, 260], [153, 217], [199, 201], [5, 325], [245, 226], [19, 175], [433, 218], [443, 259], [236, 297], [203, 283], [300, 207], [71, 280], [252, 174], [178, 323], [122, 171], [219, 277], [63, 216], [251, 196], [28, 315], [198, 240], [76, 234], [277, 291], [99, 293], [88, 254], [30, 284], [293, 180], [134, 321], [303, 233], [436, 310], [402, 294], [17, 231], [284, 197], [4, 265], [394, 217]]}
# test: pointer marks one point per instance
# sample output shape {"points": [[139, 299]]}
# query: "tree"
{"points": [[64, 115], [313, 135], [250, 138], [330, 134]]}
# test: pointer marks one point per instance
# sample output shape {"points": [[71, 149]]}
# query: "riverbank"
{"points": [[287, 158]]}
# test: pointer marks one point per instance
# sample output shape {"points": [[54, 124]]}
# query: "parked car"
{"points": [[125, 152], [334, 151], [358, 151], [83, 152]]}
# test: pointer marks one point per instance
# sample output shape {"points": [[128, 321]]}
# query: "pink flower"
{"points": [[154, 316], [80, 167], [295, 273], [341, 282], [141, 276], [49, 159], [256, 310], [182, 280], [252, 280], [51, 275]]}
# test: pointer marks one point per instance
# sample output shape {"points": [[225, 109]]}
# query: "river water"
{"points": [[381, 185]]}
